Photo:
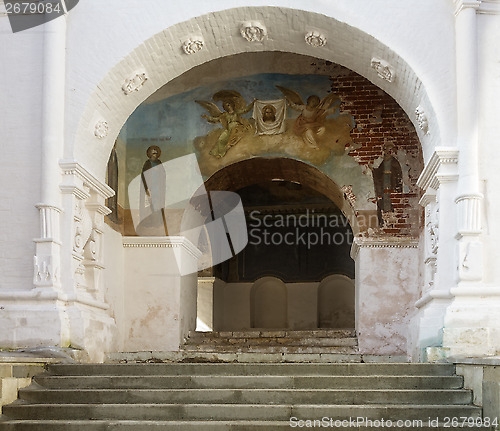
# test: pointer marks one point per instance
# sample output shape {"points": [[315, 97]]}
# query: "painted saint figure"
{"points": [[234, 125], [153, 187], [310, 124], [387, 178]]}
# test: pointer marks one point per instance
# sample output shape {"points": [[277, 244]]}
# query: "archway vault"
{"points": [[160, 59], [252, 171]]}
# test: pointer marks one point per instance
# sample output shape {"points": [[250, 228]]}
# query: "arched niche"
{"points": [[269, 304], [336, 297]]}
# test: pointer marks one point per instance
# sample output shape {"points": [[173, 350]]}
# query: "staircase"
{"points": [[238, 397]]}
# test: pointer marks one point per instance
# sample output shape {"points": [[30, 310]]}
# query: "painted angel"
{"points": [[310, 124], [233, 124]]}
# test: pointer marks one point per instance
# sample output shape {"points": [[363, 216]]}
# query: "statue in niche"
{"points": [[152, 197], [112, 181], [310, 124], [387, 178], [233, 124]]}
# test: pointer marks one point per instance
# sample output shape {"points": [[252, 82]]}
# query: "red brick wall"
{"points": [[379, 120]]}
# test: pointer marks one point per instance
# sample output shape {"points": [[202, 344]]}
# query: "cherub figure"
{"points": [[234, 125], [310, 124]]}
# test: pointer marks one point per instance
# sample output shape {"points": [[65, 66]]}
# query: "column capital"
{"points": [[466, 4]]}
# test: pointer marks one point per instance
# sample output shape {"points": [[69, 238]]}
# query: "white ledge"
{"points": [[161, 242], [72, 167]]}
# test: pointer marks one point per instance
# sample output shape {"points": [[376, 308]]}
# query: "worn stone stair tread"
{"points": [[242, 382], [236, 411], [255, 396], [98, 425], [252, 368]]}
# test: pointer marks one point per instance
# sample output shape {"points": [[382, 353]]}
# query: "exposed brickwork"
{"points": [[381, 121]]}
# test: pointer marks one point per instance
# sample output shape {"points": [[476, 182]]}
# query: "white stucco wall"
{"points": [[20, 133]]}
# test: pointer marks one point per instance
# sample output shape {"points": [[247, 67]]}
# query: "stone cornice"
{"points": [[161, 242], [441, 156], [72, 167], [390, 242]]}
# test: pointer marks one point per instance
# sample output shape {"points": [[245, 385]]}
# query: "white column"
{"points": [[472, 320], [469, 197], [33, 318], [47, 254]]}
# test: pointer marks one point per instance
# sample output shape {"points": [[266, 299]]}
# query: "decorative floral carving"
{"points": [[134, 83], [253, 31], [101, 129], [384, 69], [315, 38], [193, 45], [422, 121]]}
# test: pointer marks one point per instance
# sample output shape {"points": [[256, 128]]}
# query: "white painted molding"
{"points": [[489, 7], [422, 120], [101, 129], [161, 242], [315, 39], [428, 197], [441, 156], [479, 290], [253, 31], [72, 167], [384, 69], [193, 45], [389, 242], [460, 5], [431, 295], [134, 83]]}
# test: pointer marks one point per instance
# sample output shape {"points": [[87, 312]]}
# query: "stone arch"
{"points": [[269, 304], [160, 59], [257, 169], [336, 302]]}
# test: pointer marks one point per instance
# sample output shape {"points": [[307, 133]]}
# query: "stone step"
{"points": [[256, 369], [245, 382], [284, 341], [99, 425], [247, 396], [247, 357], [208, 348], [266, 333], [222, 412]]}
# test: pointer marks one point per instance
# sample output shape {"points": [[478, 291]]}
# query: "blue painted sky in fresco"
{"points": [[179, 117]]}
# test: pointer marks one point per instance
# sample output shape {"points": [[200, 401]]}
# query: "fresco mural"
{"points": [[259, 115]]}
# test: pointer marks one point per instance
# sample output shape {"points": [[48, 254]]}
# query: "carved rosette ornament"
{"points": [[101, 129], [134, 83], [422, 121], [253, 31], [315, 38], [383, 69], [193, 45]]}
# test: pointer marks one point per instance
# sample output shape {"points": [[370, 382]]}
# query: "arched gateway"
{"points": [[283, 107]]}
